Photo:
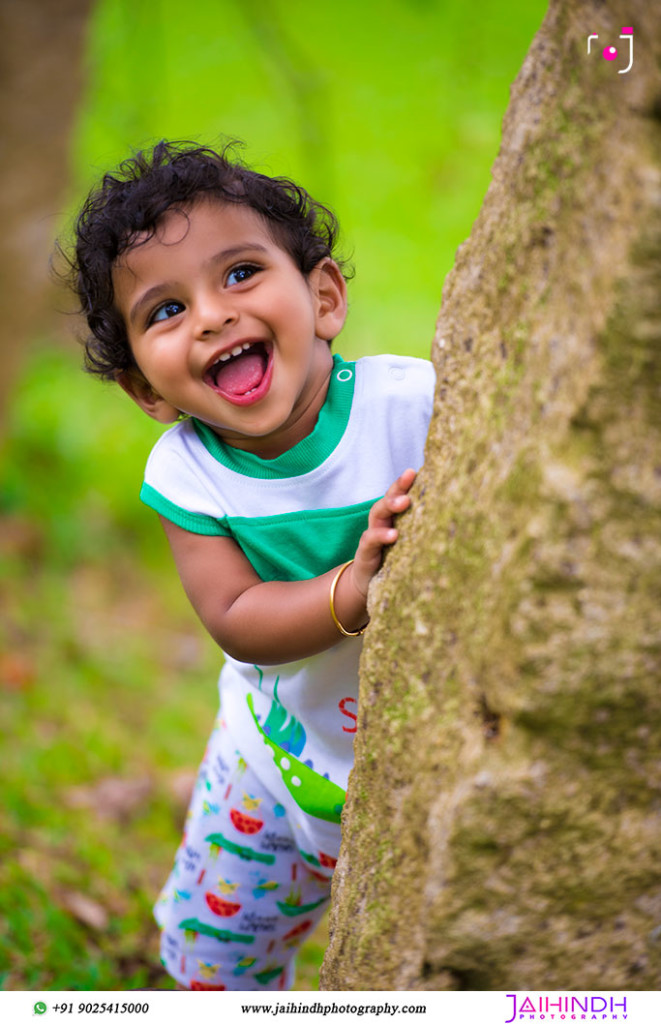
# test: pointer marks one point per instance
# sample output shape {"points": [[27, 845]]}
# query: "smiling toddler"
{"points": [[213, 294]]}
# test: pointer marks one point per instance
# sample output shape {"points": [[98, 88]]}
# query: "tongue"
{"points": [[240, 374]]}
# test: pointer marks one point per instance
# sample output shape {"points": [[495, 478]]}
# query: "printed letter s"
{"points": [[349, 714]]}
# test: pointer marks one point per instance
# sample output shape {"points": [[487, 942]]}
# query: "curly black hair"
{"points": [[130, 202]]}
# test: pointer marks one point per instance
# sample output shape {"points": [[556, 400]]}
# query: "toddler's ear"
{"points": [[143, 394], [330, 290]]}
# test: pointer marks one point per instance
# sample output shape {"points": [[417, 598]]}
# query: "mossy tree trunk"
{"points": [[503, 820]]}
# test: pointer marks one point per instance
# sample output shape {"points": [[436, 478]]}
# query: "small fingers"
{"points": [[399, 502], [407, 479], [372, 543], [398, 491], [375, 537], [395, 501], [381, 513], [402, 484]]}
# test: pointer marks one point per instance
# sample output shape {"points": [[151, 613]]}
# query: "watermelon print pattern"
{"points": [[243, 895]]}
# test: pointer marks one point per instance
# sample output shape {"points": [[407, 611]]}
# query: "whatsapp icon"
{"points": [[40, 1008]]}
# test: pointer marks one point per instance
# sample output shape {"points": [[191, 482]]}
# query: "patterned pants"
{"points": [[242, 896]]}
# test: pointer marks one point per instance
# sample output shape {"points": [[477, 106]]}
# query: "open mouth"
{"points": [[243, 374]]}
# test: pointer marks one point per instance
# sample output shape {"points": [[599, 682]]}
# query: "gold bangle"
{"points": [[343, 631]]}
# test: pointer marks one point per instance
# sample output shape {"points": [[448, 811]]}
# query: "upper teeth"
{"points": [[236, 351]]}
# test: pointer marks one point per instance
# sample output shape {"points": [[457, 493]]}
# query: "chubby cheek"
{"points": [[292, 311], [163, 358]]}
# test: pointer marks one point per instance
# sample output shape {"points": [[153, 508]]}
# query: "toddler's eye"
{"points": [[164, 312], [241, 273]]}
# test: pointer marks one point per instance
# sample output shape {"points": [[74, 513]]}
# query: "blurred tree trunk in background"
{"points": [[41, 46], [503, 821]]}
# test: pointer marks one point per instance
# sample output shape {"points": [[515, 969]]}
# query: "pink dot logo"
{"points": [[610, 53]]}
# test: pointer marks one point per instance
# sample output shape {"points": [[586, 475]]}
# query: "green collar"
{"points": [[308, 453]]}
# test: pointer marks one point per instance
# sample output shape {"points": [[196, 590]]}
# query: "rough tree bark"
{"points": [[503, 821]]}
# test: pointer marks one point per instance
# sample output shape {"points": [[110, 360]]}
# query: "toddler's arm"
{"points": [[273, 622]]}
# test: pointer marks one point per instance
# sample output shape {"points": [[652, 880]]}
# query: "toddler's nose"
{"points": [[212, 314]]}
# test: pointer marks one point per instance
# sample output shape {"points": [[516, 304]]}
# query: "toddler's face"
{"points": [[224, 326]]}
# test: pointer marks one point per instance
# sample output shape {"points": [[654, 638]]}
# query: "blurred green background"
{"points": [[390, 113]]}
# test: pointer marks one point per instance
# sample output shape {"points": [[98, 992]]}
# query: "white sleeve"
{"points": [[174, 484]]}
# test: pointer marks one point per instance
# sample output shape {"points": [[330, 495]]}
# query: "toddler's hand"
{"points": [[380, 530]]}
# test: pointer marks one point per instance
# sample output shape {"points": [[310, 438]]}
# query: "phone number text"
{"points": [[101, 1007]]}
